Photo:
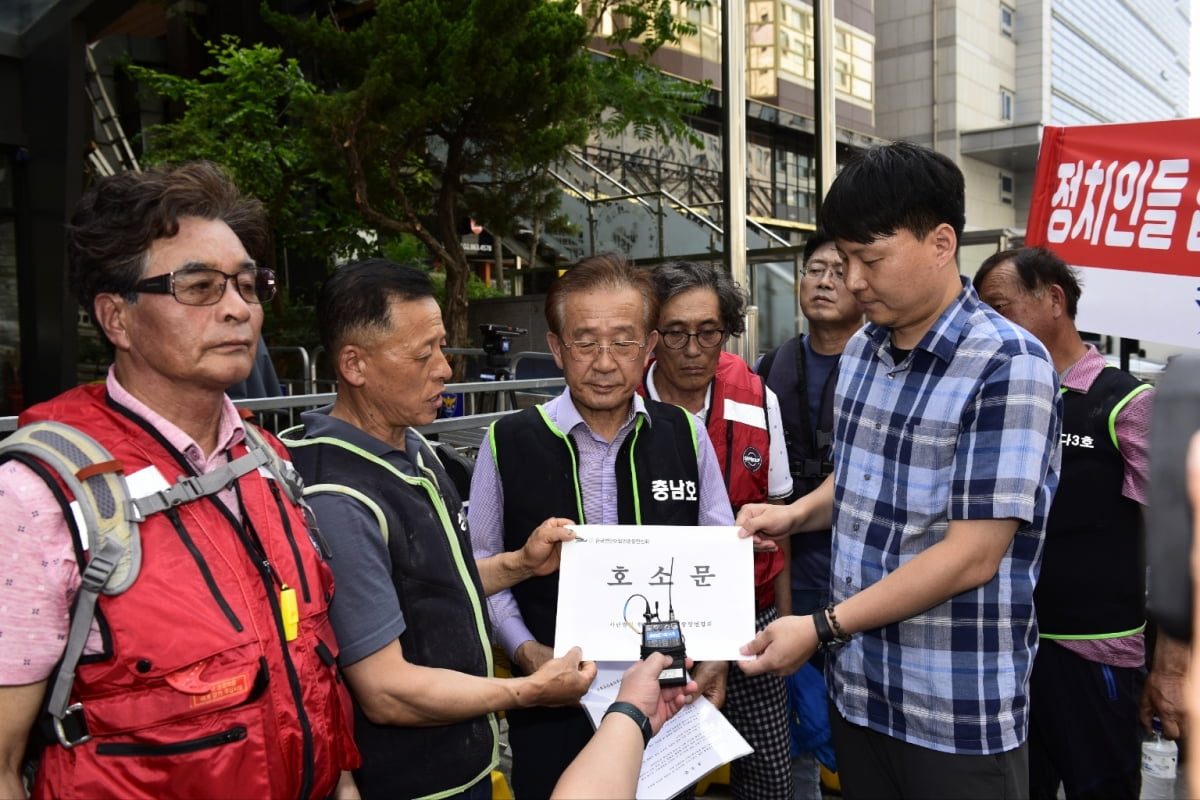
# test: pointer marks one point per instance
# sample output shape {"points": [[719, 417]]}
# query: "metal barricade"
{"points": [[464, 430]]}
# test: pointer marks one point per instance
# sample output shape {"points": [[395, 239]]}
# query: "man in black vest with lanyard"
{"points": [[1089, 671], [416, 649], [597, 454], [804, 371]]}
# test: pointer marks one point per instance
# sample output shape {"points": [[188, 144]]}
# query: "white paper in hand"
{"points": [[612, 574]]}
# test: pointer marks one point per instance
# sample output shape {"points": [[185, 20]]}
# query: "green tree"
{"points": [[238, 114], [439, 109]]}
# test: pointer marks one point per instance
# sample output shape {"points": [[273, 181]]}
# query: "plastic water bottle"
{"points": [[1159, 757]]}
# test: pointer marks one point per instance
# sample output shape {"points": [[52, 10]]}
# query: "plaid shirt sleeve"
{"points": [[1008, 434]]}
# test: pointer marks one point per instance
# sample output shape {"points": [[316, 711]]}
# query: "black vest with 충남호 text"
{"points": [[657, 484]]}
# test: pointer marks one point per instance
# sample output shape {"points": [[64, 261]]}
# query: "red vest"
{"points": [[197, 694], [743, 450], [743, 453]]}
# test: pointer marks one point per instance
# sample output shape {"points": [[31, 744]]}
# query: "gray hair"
{"points": [[674, 277]]}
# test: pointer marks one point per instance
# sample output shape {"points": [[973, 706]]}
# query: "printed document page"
{"points": [[612, 576]]}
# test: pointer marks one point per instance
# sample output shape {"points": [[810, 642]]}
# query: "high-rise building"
{"points": [[979, 79], [781, 174], [780, 38]]}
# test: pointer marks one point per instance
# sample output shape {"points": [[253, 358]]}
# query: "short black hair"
{"points": [[1037, 268], [816, 240], [359, 296], [893, 187]]}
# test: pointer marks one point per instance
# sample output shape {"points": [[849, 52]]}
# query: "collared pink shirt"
{"points": [[40, 575], [1132, 424]]}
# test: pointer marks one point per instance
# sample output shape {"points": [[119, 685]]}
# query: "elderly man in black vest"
{"points": [[577, 457], [416, 648], [1087, 680]]}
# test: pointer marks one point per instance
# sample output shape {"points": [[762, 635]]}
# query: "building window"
{"points": [[796, 42], [1006, 20], [1006, 188], [761, 49], [705, 42], [854, 64], [1007, 99], [794, 184], [853, 53]]}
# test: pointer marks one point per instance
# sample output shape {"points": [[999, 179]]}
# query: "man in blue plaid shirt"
{"points": [[946, 456]]}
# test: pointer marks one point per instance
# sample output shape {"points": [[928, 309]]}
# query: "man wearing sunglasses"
{"points": [[596, 455], [700, 307], [212, 674]]}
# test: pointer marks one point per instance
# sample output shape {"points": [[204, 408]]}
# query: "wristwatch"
{"points": [[635, 714]]}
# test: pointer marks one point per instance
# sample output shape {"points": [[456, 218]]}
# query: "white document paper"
{"points": [[611, 574], [690, 745]]}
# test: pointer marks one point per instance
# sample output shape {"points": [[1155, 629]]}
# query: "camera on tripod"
{"points": [[497, 341]]}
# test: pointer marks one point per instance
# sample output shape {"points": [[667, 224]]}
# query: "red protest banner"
{"points": [[1122, 204]]}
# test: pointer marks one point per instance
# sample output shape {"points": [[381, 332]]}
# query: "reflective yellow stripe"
{"points": [[1089, 636]]}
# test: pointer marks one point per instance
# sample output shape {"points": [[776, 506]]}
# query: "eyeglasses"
{"points": [[818, 271], [206, 287], [677, 340], [590, 351]]}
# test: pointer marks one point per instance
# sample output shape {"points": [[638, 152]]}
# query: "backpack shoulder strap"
{"points": [[97, 482], [114, 547], [110, 523], [764, 363], [259, 454], [284, 471]]}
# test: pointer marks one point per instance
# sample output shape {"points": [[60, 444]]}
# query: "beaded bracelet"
{"points": [[839, 635]]}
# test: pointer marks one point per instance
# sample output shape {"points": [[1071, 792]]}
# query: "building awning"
{"points": [[1013, 147]]}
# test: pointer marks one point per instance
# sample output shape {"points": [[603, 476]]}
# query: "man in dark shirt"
{"points": [[409, 611]]}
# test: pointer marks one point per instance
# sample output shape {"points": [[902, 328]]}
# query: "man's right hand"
{"points": [[639, 685], [782, 647], [560, 681], [767, 523]]}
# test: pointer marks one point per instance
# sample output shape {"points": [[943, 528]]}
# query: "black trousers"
{"points": [[544, 741], [875, 765], [1084, 729]]}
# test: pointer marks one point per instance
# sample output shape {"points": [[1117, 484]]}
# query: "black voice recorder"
{"points": [[666, 637]]}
